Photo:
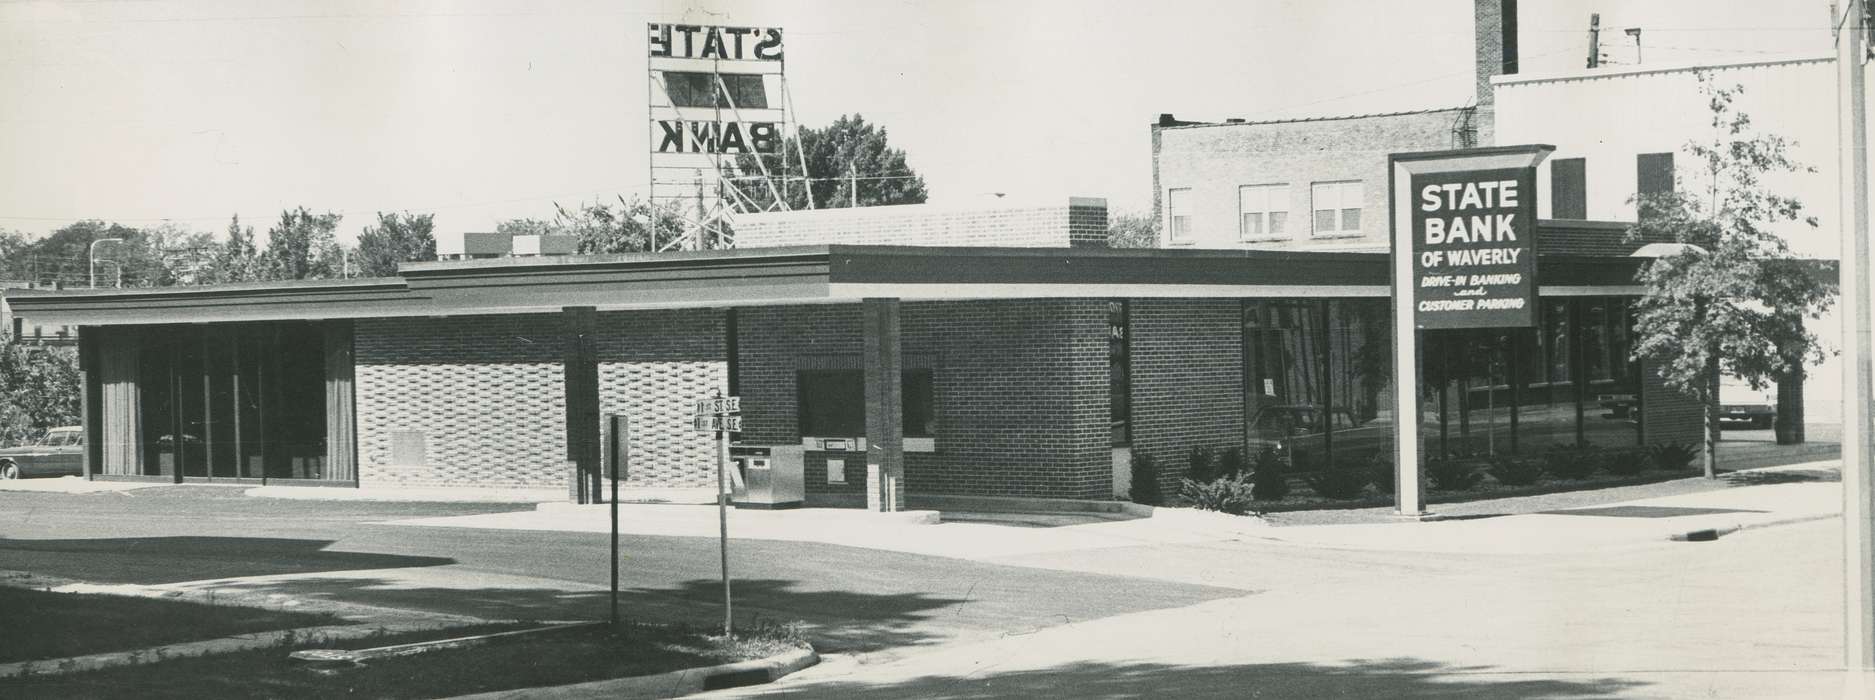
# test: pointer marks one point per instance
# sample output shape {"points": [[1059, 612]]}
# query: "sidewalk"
{"points": [[74, 484]]}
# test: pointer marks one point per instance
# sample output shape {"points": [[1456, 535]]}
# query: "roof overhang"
{"points": [[778, 276]]}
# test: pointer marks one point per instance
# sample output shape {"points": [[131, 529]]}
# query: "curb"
{"points": [[1712, 533], [223, 645], [672, 684]]}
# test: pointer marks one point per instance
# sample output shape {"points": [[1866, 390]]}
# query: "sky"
{"points": [[143, 111]]}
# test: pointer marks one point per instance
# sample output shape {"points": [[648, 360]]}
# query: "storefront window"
{"points": [[240, 401], [832, 402]]}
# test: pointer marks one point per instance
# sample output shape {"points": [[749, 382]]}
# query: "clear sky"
{"points": [[141, 111]]}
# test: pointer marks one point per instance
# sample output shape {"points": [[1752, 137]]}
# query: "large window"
{"points": [[1337, 207], [1262, 212], [234, 401], [832, 402], [1178, 216], [1120, 372]]}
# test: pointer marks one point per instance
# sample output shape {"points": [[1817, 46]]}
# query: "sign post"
{"points": [[1464, 256], [715, 414], [616, 439]]}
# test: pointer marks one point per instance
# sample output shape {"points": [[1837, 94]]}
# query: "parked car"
{"points": [[60, 452], [1297, 428], [1739, 403]]}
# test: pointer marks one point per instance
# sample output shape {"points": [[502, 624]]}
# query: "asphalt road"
{"points": [[855, 600]]}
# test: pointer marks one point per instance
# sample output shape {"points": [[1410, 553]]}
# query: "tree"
{"points": [[239, 259], [848, 157], [1133, 231], [1732, 299], [398, 238], [39, 388], [632, 226], [302, 246]]}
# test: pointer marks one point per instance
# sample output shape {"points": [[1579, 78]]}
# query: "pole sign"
{"points": [[1474, 248]]}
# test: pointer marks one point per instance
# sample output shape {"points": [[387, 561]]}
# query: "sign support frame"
{"points": [[1408, 447]]}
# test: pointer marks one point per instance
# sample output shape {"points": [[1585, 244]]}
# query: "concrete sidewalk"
{"points": [[1587, 528], [472, 494], [74, 484]]}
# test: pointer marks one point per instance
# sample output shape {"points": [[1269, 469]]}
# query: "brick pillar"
{"points": [[885, 409]]}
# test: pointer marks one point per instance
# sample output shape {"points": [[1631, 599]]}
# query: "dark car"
{"points": [[61, 452], [1292, 429]]}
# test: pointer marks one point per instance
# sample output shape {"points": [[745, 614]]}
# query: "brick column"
{"points": [[885, 409]]}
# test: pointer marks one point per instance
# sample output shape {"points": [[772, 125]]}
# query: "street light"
{"points": [[91, 259]]}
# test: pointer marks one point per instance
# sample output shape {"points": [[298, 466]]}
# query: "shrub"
{"points": [[1145, 490], [1516, 471], [1230, 462], [1673, 456], [1576, 462], [1340, 484], [1626, 462], [1385, 480], [1203, 465], [1270, 482], [1231, 495], [1453, 474]]}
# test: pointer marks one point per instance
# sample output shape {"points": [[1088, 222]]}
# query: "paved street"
{"points": [[859, 600]]}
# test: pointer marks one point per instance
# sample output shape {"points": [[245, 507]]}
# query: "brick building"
{"points": [[1024, 371]]}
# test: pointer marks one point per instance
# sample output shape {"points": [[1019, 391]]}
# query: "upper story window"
{"points": [[1337, 207], [1178, 216], [1262, 212]]}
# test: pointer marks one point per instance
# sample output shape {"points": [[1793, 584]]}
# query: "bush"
{"points": [[1516, 471], [1145, 490], [1385, 480], [1673, 456], [1626, 462], [1230, 462], [1340, 484], [1270, 482], [1573, 462], [1453, 474], [1203, 465], [1231, 495]]}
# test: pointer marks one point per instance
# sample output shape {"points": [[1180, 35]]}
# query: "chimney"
{"points": [[1494, 24]]}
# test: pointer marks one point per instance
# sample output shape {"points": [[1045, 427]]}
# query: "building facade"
{"points": [[1031, 372]]}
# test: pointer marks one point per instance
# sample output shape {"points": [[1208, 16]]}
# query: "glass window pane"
{"points": [[1350, 219], [1276, 221], [1252, 224], [1324, 220]]}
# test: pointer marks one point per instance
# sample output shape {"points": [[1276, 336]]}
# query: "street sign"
{"points": [[719, 405], [710, 424]]}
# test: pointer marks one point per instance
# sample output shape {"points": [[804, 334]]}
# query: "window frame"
{"points": [[1175, 196], [1275, 198], [1341, 188]]}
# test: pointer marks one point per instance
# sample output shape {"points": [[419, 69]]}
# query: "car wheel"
{"points": [[9, 471]]}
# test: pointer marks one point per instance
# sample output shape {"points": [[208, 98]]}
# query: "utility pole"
{"points": [[1858, 471], [1595, 40]]}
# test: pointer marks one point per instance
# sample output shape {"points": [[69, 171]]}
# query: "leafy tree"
{"points": [[527, 227], [630, 226], [39, 388], [398, 238], [1732, 299], [302, 246], [239, 259], [1133, 231], [848, 156]]}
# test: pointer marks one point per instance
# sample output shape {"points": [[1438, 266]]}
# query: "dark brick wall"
{"points": [[1020, 392], [1087, 223], [1187, 357]]}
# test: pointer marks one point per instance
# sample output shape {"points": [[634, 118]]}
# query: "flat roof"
{"points": [[779, 276]]}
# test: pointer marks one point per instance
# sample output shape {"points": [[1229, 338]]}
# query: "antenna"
{"points": [[1595, 40]]}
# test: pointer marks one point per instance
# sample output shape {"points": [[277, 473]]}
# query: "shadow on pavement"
{"points": [[1794, 476], [838, 621], [1378, 678], [155, 560]]}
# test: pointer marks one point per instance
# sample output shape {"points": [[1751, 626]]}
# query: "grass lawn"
{"points": [[528, 661], [46, 625]]}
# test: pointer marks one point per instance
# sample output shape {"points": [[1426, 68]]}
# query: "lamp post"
{"points": [[91, 258]]}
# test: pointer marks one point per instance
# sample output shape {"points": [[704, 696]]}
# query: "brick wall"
{"points": [[1020, 393], [653, 365], [1078, 222], [487, 393], [1187, 359]]}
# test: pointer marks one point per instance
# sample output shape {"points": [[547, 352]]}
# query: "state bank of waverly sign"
{"points": [[1474, 248]]}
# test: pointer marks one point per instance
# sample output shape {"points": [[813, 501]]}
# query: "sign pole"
{"points": [[722, 520], [1858, 416], [616, 460]]}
